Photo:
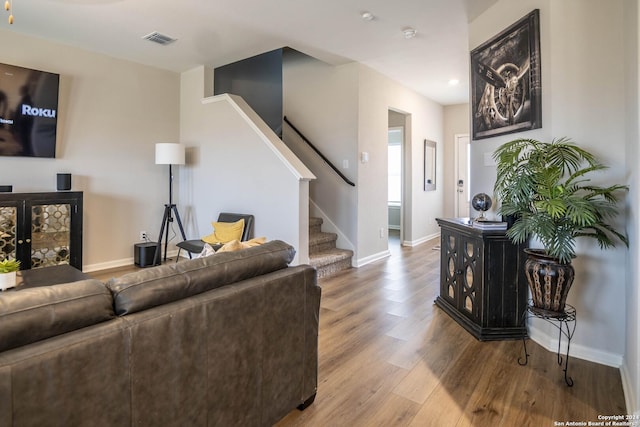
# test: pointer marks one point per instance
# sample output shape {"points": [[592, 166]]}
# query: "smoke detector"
{"points": [[409, 33]]}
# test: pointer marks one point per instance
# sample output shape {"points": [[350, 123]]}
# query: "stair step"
{"points": [[321, 241], [315, 225], [331, 261]]}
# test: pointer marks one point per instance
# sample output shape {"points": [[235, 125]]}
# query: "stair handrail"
{"points": [[327, 161]]}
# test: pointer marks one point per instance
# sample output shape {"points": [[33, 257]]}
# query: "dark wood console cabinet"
{"points": [[482, 281], [41, 229]]}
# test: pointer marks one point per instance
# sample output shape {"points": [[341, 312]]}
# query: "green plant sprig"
{"points": [[544, 186], [9, 265]]}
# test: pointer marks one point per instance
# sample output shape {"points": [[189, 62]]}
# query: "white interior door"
{"points": [[462, 201]]}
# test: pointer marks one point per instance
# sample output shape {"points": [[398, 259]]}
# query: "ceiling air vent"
{"points": [[159, 38]]}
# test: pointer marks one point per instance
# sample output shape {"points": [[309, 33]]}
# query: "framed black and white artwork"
{"points": [[505, 81]]}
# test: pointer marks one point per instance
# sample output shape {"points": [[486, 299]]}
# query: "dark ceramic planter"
{"points": [[548, 280]]}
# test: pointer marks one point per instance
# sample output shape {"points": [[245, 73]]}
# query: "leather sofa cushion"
{"points": [[172, 282], [34, 314]]}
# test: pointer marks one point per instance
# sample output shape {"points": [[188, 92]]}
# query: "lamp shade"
{"points": [[169, 153]]}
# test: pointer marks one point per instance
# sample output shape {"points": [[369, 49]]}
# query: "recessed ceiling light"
{"points": [[454, 82], [367, 16], [409, 33]]}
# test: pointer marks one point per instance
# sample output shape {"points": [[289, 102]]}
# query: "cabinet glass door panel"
{"points": [[50, 234], [8, 231], [451, 279], [469, 291], [468, 304], [470, 278]]}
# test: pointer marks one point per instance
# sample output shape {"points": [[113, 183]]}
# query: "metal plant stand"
{"points": [[565, 323]]}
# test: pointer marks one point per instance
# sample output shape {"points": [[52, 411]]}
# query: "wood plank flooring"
{"points": [[389, 357]]}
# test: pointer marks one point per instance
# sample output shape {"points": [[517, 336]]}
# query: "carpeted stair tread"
{"points": [[323, 254], [321, 237], [330, 262], [330, 256], [315, 225]]}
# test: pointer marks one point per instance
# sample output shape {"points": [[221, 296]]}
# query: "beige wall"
{"points": [[577, 102], [456, 122], [378, 94], [326, 112], [345, 113], [232, 167], [111, 113]]}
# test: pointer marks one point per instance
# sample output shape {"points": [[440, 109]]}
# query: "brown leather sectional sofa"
{"points": [[227, 340]]}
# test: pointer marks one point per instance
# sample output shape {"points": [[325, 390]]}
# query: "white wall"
{"points": [[111, 113], [580, 40], [456, 122], [231, 167], [631, 362]]}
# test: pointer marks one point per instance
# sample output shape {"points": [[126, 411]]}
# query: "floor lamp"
{"points": [[168, 154]]}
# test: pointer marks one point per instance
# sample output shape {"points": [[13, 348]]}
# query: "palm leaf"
{"points": [[546, 186]]}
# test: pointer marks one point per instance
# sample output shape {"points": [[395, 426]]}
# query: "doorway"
{"points": [[396, 142], [463, 172], [394, 189]]}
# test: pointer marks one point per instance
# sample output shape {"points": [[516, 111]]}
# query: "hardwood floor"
{"points": [[389, 357]]}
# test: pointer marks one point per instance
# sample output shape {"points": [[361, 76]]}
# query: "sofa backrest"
{"points": [[172, 282], [34, 314]]}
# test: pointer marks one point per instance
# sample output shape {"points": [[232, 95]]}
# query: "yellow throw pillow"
{"points": [[236, 245], [224, 232], [253, 242], [231, 246]]}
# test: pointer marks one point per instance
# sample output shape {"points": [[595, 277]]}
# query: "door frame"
{"points": [[456, 170]]}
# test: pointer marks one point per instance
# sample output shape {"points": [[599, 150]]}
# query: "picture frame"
{"points": [[506, 88]]}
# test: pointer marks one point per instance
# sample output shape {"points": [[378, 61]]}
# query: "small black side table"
{"points": [[565, 322]]}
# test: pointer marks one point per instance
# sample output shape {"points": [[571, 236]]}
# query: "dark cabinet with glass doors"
{"points": [[482, 282], [41, 229]]}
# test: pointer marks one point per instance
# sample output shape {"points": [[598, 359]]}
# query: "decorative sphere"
{"points": [[481, 202]]}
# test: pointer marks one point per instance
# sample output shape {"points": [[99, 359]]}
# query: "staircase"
{"points": [[323, 254]]}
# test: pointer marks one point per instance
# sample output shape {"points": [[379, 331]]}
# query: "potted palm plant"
{"points": [[8, 269], [544, 187]]}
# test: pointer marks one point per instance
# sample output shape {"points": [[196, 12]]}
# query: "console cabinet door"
{"points": [[42, 229], [462, 273], [449, 268], [471, 280], [11, 240]]}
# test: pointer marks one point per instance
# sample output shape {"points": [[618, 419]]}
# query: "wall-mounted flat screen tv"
{"points": [[28, 112]]}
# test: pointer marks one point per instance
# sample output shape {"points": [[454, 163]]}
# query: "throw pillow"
{"points": [[206, 251], [231, 246], [224, 232], [236, 245]]}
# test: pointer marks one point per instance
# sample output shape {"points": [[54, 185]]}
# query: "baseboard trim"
{"points": [[412, 243], [124, 262], [550, 342], [629, 391], [372, 258]]}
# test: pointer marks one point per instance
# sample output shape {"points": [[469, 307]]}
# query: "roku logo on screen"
{"points": [[28, 110]]}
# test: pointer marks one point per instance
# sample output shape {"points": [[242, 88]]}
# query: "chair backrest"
{"points": [[247, 233]]}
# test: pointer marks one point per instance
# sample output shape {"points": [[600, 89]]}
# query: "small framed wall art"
{"points": [[505, 81]]}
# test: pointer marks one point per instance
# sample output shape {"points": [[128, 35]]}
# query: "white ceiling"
{"points": [[217, 32]]}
